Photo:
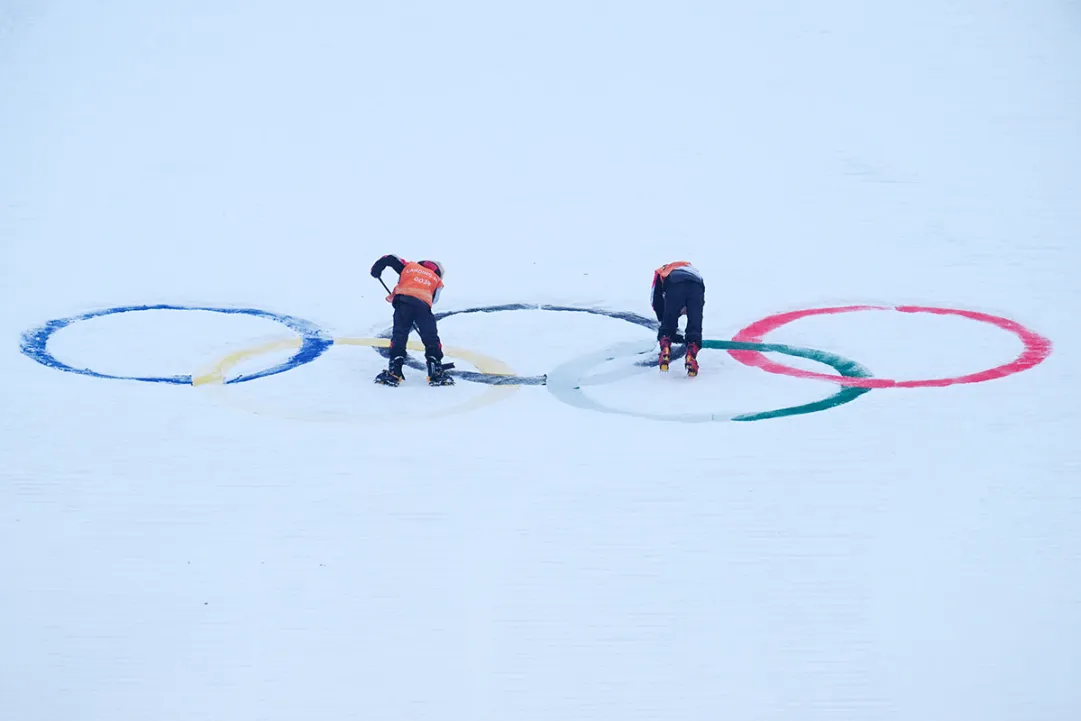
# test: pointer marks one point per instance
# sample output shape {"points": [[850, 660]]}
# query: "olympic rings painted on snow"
{"points": [[312, 343], [499, 379], [566, 382], [1036, 347], [215, 376]]}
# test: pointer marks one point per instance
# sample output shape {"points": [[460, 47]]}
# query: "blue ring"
{"points": [[499, 380], [34, 343]]}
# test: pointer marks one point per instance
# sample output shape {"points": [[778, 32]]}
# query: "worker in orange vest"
{"points": [[413, 297], [679, 289]]}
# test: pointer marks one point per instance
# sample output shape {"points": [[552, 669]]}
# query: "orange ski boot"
{"points": [[666, 353], [692, 359]]}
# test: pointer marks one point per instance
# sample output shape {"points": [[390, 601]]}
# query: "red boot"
{"points": [[666, 353], [692, 359]]}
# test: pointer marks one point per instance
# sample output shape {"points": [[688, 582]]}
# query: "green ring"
{"points": [[566, 381]]}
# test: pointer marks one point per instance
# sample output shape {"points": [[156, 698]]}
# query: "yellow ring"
{"points": [[214, 376]]}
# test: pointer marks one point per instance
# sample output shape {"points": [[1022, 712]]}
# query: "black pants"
{"points": [[407, 311], [677, 296]]}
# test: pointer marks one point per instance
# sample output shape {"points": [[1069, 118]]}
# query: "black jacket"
{"points": [[391, 261], [686, 274]]}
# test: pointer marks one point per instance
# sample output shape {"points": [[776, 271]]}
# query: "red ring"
{"points": [[1037, 348]]}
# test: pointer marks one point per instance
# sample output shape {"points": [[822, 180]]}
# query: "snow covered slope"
{"points": [[595, 541]]}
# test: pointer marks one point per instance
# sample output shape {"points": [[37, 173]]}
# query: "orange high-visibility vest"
{"points": [[418, 282], [667, 268]]}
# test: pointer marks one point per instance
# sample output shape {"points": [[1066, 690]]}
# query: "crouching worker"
{"points": [[417, 290], [678, 289]]}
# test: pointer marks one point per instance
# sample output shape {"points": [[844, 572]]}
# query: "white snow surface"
{"points": [[313, 547]]}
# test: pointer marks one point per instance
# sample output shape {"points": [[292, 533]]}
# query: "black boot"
{"points": [[437, 376], [393, 375]]}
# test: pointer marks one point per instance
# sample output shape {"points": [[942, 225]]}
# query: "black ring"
{"points": [[498, 380]]}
